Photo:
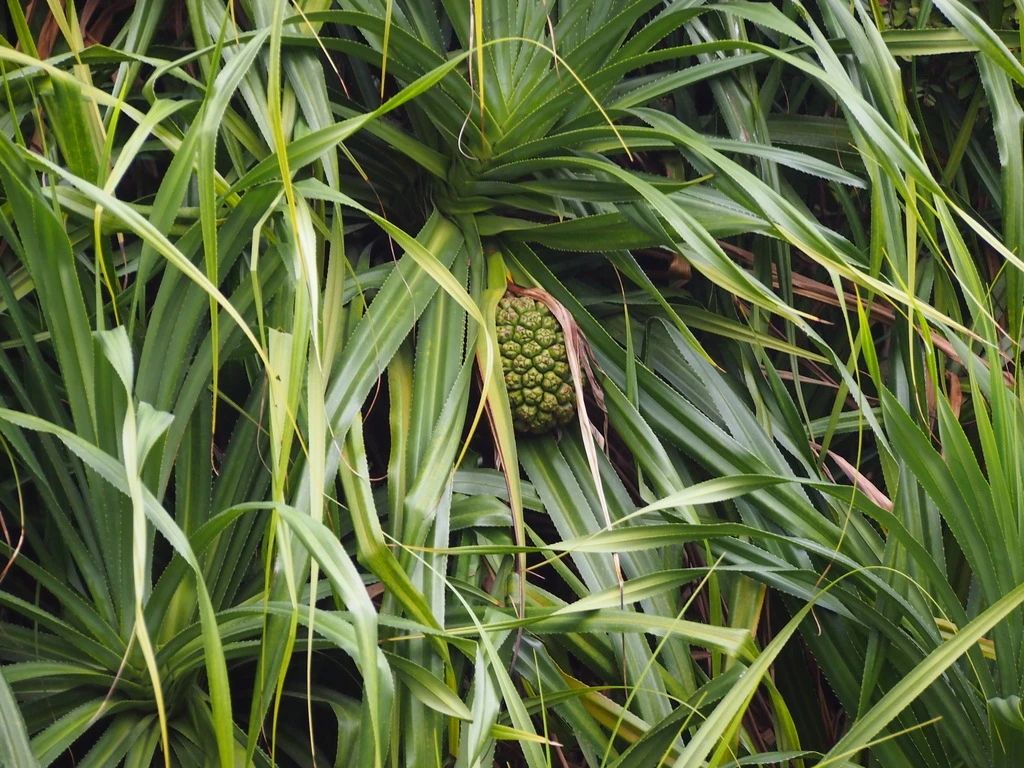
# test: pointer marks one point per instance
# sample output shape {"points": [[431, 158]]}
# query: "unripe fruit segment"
{"points": [[535, 365]]}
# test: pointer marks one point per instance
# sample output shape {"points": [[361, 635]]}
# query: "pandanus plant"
{"points": [[268, 500]]}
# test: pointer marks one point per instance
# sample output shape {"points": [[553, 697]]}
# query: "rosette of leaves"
{"points": [[289, 498]]}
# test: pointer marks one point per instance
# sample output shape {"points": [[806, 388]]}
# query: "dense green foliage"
{"points": [[263, 502]]}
